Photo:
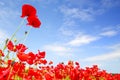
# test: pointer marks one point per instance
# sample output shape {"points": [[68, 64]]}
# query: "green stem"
{"points": [[24, 39], [26, 35], [7, 56], [18, 28]]}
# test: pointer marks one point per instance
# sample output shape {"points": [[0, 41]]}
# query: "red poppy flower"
{"points": [[21, 47], [28, 10], [40, 54], [22, 56], [9, 62], [48, 76], [33, 21], [31, 58], [43, 61], [4, 72], [18, 68], [11, 46]]}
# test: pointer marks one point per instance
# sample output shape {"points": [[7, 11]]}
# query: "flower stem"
{"points": [[24, 39], [7, 56], [26, 34], [18, 28]]}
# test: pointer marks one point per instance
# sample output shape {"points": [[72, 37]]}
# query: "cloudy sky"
{"points": [[87, 31]]}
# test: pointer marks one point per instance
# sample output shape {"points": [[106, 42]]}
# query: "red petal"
{"points": [[33, 21], [28, 10]]}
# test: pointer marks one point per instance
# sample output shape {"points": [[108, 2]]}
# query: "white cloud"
{"points": [[69, 23], [8, 16], [107, 61], [109, 33], [87, 10], [105, 57], [67, 26], [66, 32], [82, 14], [118, 27], [55, 48], [4, 13], [113, 47], [60, 50], [82, 39], [77, 38]]}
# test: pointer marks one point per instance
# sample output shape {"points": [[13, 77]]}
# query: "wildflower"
{"points": [[40, 54], [11, 46], [28, 10], [22, 56], [33, 21], [31, 58], [4, 72], [43, 61], [21, 47]]}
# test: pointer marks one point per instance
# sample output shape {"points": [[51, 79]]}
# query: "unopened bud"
{"points": [[26, 32], [6, 41], [15, 40]]}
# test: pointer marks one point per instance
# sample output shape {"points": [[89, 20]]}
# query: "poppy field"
{"points": [[34, 66]]}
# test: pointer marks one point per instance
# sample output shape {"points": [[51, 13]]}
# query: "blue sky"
{"points": [[87, 31]]}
